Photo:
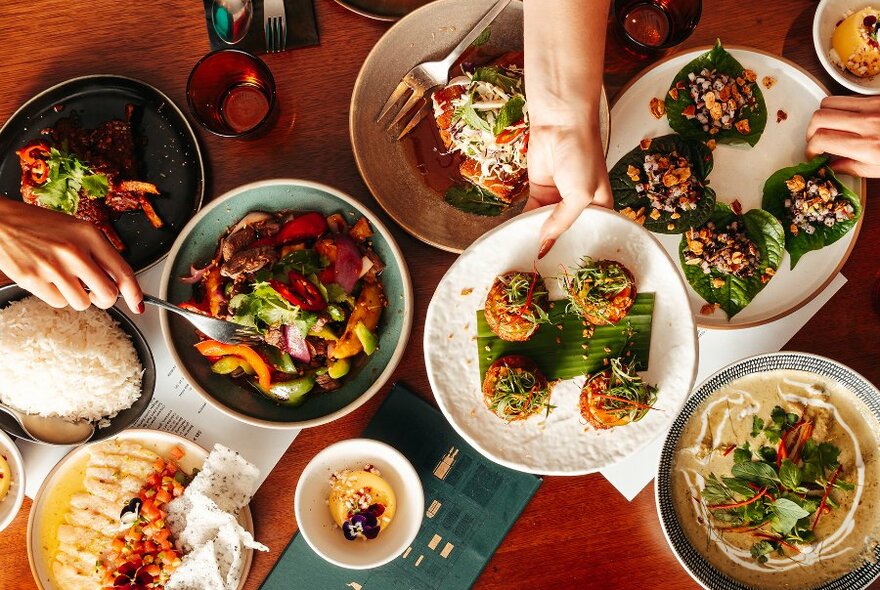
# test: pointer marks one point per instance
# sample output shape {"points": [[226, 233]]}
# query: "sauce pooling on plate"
{"points": [[775, 480]]}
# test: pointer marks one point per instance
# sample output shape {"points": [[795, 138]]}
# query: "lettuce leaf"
{"points": [[264, 307]]}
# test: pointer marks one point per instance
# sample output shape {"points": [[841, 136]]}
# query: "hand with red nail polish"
{"points": [[564, 53], [62, 260]]}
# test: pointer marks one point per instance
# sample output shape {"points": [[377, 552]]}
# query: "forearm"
{"points": [[564, 58]]}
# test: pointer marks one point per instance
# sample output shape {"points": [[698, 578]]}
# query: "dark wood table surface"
{"points": [[577, 532]]}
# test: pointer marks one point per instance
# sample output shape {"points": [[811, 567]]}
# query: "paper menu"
{"points": [[175, 408], [718, 348]]}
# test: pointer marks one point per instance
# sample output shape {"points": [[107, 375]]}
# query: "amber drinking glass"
{"points": [[231, 93], [650, 27]]}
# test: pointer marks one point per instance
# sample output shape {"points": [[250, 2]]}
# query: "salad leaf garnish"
{"points": [[264, 307], [67, 176], [474, 199], [510, 114]]}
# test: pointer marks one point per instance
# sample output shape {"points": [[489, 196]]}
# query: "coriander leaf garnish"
{"points": [[67, 176]]}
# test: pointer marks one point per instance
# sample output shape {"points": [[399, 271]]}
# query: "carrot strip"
{"points": [[821, 510], [729, 450], [751, 500]]}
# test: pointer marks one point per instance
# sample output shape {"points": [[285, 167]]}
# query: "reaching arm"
{"points": [[564, 57]]}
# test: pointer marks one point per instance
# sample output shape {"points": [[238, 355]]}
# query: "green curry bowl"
{"points": [[196, 246]]}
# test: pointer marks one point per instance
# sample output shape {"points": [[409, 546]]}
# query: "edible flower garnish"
{"points": [[363, 523], [779, 489]]}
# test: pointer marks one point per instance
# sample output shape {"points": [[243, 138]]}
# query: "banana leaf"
{"points": [[717, 59], [624, 187], [736, 292], [776, 192], [561, 350]]}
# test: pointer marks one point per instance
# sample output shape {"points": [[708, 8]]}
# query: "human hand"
{"points": [[847, 127], [56, 257], [566, 166]]}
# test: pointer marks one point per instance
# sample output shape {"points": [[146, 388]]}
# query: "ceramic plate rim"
{"points": [[604, 107], [190, 132], [136, 434], [17, 467], [406, 281], [429, 367], [694, 52], [664, 518], [411, 475]]}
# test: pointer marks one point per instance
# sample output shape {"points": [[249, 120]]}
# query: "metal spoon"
{"points": [[52, 430], [232, 19]]}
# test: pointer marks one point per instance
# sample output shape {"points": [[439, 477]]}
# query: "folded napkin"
{"points": [[470, 504], [302, 28]]}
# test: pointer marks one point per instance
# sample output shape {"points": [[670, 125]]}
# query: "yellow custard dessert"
{"points": [[5, 477], [854, 44], [361, 502]]}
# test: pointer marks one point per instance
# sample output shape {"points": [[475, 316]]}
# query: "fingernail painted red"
{"points": [[141, 307], [546, 245]]}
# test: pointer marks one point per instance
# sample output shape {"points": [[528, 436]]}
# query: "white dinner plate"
{"points": [[54, 487], [739, 172], [562, 444]]}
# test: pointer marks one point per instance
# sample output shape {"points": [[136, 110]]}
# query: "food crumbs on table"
{"points": [[658, 108]]}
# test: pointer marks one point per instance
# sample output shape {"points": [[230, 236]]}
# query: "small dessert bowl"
{"points": [[313, 512], [829, 14]]}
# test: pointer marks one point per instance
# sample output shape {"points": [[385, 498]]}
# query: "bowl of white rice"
{"points": [[93, 364]]}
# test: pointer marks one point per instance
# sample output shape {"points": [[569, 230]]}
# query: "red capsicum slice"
{"points": [[212, 348], [40, 171], [31, 153], [307, 226], [301, 292]]}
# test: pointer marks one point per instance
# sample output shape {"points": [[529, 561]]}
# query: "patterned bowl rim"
{"points": [[697, 566]]}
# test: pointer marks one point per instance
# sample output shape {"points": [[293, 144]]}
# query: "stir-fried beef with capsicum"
{"points": [[726, 250], [721, 102], [309, 284], [88, 173], [815, 202]]}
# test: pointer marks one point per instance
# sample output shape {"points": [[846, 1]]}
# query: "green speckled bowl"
{"points": [[197, 243]]}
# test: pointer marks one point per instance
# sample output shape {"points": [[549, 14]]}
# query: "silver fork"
{"points": [[219, 330], [274, 25], [429, 74]]}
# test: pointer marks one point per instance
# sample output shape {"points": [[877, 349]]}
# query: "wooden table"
{"points": [[577, 532]]}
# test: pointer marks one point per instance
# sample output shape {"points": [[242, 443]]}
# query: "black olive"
{"points": [[134, 505]]}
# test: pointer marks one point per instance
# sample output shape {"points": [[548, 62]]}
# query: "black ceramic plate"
{"points": [[693, 561], [122, 420], [387, 10], [168, 153]]}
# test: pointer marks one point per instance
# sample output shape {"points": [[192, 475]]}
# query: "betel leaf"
{"points": [[510, 114], [735, 293], [786, 514], [626, 195], [776, 192], [757, 472], [716, 59], [473, 199]]}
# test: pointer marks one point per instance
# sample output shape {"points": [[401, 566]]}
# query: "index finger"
{"points": [[855, 104]]}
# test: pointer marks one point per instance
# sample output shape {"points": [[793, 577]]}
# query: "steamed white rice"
{"points": [[61, 362]]}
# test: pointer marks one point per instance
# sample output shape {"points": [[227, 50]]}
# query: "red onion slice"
{"points": [[348, 263], [195, 275], [296, 343]]}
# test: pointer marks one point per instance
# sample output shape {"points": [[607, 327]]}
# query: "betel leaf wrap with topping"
{"points": [[678, 99], [776, 192], [734, 293], [627, 197]]}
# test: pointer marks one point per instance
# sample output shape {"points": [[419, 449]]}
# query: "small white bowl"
{"points": [[828, 14], [318, 527], [11, 504]]}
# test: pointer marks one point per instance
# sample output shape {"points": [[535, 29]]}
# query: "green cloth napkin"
{"points": [[470, 504]]}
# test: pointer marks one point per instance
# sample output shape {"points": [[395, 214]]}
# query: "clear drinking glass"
{"points": [[650, 27], [231, 93]]}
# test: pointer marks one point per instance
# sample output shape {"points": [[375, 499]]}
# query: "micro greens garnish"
{"points": [[627, 398], [523, 295], [592, 286], [778, 491], [519, 393]]}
